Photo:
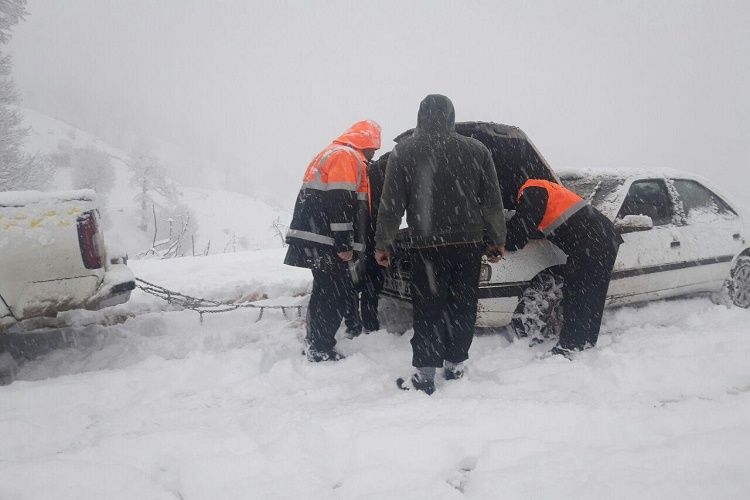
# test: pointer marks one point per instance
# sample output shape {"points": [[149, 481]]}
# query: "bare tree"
{"points": [[153, 187], [173, 244], [280, 230]]}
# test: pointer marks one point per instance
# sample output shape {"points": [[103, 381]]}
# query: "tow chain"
{"points": [[208, 306]]}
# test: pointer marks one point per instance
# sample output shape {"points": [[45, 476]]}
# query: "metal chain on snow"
{"points": [[207, 306]]}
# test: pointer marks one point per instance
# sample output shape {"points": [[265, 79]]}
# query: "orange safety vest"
{"points": [[562, 203]]}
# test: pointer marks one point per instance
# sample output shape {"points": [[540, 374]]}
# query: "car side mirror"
{"points": [[633, 223]]}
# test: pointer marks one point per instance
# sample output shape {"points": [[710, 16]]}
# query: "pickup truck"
{"points": [[53, 258]]}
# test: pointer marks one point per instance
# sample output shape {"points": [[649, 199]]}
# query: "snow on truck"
{"points": [[53, 257], [681, 237]]}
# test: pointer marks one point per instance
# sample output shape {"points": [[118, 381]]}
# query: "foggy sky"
{"points": [[594, 84]]}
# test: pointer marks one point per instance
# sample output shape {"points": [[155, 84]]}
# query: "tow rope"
{"points": [[208, 306]]}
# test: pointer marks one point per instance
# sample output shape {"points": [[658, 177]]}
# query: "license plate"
{"points": [[398, 286]]}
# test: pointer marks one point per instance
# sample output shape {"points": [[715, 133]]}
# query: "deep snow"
{"points": [[161, 406]]}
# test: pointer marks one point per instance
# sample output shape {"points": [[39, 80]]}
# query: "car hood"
{"points": [[515, 156]]}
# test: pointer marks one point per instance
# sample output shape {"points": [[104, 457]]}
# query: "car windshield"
{"points": [[599, 190]]}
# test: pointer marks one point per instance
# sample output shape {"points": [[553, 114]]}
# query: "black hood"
{"points": [[515, 157], [436, 115]]}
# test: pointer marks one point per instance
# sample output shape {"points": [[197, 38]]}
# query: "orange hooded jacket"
{"points": [[332, 207], [342, 165]]}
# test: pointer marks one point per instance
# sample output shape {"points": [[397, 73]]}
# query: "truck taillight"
{"points": [[88, 229]]}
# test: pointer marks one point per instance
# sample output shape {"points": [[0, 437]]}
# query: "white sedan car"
{"points": [[681, 237], [53, 258]]}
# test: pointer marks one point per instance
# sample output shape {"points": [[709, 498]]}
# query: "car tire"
{"points": [[739, 283], [8, 368], [539, 313]]}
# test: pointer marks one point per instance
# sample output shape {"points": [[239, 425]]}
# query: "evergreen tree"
{"points": [[17, 170], [11, 12]]}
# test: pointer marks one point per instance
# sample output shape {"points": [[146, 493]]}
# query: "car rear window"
{"points": [[699, 202]]}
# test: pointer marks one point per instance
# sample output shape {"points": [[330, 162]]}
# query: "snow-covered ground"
{"points": [[161, 406]]}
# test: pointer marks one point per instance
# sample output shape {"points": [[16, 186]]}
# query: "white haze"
{"points": [[256, 88]]}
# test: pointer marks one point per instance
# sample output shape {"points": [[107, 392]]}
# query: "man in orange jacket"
{"points": [[328, 226], [548, 210]]}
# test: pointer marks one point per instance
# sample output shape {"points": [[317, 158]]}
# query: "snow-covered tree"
{"points": [[153, 188], [11, 12], [160, 210], [17, 169], [92, 169]]}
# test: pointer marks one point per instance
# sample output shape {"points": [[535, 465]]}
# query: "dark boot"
{"points": [[423, 380], [315, 356], [561, 351], [453, 371], [352, 332]]}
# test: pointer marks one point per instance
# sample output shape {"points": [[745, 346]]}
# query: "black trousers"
{"points": [[328, 303], [587, 277], [363, 305], [445, 283]]}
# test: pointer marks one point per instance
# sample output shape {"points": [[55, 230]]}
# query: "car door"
{"points": [[648, 261], [710, 235]]}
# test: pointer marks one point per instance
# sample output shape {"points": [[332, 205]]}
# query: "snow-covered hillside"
{"points": [[162, 407], [227, 221]]}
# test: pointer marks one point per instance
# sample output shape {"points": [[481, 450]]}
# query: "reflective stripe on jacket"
{"points": [[562, 203], [332, 205]]}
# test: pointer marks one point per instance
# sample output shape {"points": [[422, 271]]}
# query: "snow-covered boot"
{"points": [[423, 380], [352, 332], [453, 371], [315, 356], [560, 351], [536, 341]]}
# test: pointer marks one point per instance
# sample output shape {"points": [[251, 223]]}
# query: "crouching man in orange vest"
{"points": [[327, 229], [548, 210]]}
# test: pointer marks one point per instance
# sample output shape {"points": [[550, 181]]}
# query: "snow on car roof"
{"points": [[23, 198], [623, 173]]}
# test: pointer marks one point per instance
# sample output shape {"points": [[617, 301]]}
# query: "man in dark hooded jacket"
{"points": [[447, 185]]}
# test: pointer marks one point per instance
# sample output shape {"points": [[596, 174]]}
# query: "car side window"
{"points": [[699, 202], [648, 197]]}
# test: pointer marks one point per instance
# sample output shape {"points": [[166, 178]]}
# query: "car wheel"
{"points": [[739, 286], [8, 368], [539, 313]]}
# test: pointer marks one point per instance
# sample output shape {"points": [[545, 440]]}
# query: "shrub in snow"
{"points": [[173, 230]]}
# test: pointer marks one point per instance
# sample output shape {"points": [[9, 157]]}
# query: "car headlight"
{"points": [[485, 272]]}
